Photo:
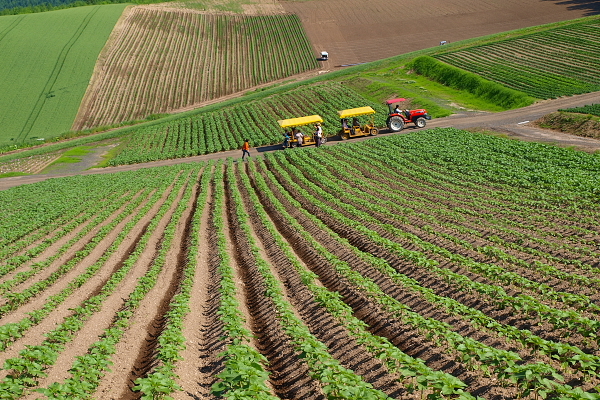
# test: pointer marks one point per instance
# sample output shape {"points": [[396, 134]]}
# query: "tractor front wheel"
{"points": [[373, 131], [345, 135], [396, 124], [420, 122]]}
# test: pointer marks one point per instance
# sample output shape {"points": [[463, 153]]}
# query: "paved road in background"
{"points": [[514, 123]]}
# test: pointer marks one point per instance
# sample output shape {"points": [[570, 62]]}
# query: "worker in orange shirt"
{"points": [[246, 149]]}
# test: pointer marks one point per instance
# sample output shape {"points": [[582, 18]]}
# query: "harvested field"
{"points": [[400, 266], [160, 60]]}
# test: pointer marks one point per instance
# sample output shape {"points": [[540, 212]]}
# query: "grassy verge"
{"points": [[469, 82]]}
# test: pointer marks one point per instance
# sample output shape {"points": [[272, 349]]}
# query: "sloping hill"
{"points": [[47, 61]]}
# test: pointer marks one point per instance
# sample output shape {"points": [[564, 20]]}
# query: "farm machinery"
{"points": [[354, 128], [308, 137], [398, 118]]}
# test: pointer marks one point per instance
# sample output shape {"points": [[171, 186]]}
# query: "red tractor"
{"points": [[397, 117]]}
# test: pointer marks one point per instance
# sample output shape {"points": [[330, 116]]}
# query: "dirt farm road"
{"points": [[514, 123]]}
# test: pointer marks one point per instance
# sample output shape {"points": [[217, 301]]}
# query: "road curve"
{"points": [[514, 123]]}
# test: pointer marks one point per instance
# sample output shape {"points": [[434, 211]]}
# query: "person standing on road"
{"points": [[318, 134], [246, 149]]}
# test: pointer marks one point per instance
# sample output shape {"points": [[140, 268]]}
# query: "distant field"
{"points": [[557, 62], [166, 59], [227, 128], [593, 109], [46, 63]]}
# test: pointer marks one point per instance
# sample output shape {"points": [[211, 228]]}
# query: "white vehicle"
{"points": [[324, 56]]}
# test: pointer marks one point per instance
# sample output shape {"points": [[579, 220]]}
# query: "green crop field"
{"points": [[438, 265], [556, 62], [593, 109], [46, 63], [226, 128]]}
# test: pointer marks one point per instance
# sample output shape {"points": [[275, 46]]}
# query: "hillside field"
{"points": [[557, 62], [161, 60], [437, 263], [46, 64]]}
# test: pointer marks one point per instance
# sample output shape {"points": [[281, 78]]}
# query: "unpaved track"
{"points": [[509, 122]]}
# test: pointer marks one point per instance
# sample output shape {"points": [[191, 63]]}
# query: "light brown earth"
{"points": [[358, 31]]}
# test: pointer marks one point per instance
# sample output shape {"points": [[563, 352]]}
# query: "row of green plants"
{"points": [[216, 55], [106, 220], [566, 354], [345, 383], [507, 366], [593, 109], [501, 204], [413, 373], [548, 64], [12, 331], [39, 206], [501, 210], [34, 242], [571, 321], [389, 208], [88, 369], [226, 129], [245, 374], [493, 241], [25, 370], [161, 381]]}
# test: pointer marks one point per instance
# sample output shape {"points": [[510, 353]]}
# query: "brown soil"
{"points": [[136, 348], [355, 31], [571, 123]]}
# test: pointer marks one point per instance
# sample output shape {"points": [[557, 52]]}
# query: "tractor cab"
{"points": [[351, 124], [399, 117], [294, 125]]}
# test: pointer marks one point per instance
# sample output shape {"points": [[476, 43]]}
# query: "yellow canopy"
{"points": [[355, 112], [311, 119]]}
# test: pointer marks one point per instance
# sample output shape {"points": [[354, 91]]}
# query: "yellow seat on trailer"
{"points": [[355, 112], [311, 119]]}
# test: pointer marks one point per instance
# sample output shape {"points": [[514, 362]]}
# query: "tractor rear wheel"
{"points": [[420, 122], [396, 124], [373, 131]]}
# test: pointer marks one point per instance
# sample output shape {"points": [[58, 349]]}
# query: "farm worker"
{"points": [[318, 134], [246, 149], [397, 110], [286, 140], [300, 137]]}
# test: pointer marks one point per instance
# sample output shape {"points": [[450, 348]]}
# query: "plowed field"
{"points": [[356, 31]]}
